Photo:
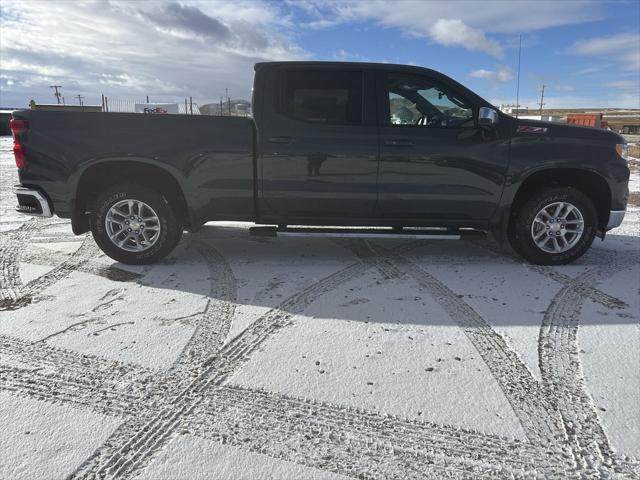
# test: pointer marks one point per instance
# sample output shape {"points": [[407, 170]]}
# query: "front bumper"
{"points": [[615, 218], [32, 202]]}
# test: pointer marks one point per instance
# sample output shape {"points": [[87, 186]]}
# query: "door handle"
{"points": [[400, 142], [281, 140]]}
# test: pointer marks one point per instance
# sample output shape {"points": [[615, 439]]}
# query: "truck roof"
{"points": [[339, 64], [371, 66]]}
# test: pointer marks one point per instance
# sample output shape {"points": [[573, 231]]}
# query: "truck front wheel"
{"points": [[134, 224], [555, 226]]}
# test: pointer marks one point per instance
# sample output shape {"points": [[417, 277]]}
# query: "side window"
{"points": [[418, 100], [323, 97]]}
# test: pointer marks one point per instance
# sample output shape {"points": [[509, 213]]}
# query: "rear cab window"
{"points": [[325, 97]]}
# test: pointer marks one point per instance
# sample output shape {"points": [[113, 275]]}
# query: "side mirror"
{"points": [[487, 116]]}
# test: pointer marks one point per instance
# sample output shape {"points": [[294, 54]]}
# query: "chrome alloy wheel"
{"points": [[132, 225], [557, 227]]}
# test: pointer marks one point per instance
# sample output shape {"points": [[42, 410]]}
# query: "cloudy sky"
{"points": [[587, 53]]}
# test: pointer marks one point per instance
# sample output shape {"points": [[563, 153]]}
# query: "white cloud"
{"points": [[589, 70], [461, 23], [453, 32], [494, 17], [343, 55], [627, 92], [625, 84], [166, 49], [500, 75], [605, 45], [623, 47]]}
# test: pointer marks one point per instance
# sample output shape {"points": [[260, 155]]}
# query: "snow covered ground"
{"points": [[241, 357]]}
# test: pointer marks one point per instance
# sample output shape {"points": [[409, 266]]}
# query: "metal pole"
{"points": [[102, 102], [147, 98], [185, 106], [106, 103], [191, 105], [518, 87]]}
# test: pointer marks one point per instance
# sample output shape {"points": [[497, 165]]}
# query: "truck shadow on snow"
{"points": [[396, 280]]}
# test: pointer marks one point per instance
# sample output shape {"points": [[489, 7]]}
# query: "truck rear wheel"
{"points": [[134, 224], [555, 226]]}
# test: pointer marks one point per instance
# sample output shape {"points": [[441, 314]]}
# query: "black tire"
{"points": [[520, 227], [167, 238]]}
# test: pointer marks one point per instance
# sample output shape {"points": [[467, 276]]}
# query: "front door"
{"points": [[319, 156], [436, 165]]}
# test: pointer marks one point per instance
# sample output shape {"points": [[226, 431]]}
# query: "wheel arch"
{"points": [[590, 183], [98, 176]]}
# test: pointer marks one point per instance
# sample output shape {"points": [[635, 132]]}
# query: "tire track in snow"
{"points": [[530, 402], [134, 443], [78, 392], [111, 388], [357, 443], [563, 376], [11, 249], [346, 437], [26, 294], [63, 376], [212, 326], [589, 291]]}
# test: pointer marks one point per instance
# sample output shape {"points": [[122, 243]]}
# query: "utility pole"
{"points": [[518, 81], [542, 99], [79, 97], [221, 105], [57, 93], [226, 92]]}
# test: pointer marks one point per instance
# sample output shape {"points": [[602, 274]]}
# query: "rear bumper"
{"points": [[32, 202], [615, 218]]}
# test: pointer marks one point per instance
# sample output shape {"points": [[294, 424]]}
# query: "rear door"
{"points": [[319, 145], [436, 165]]}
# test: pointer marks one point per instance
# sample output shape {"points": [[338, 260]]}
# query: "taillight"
{"points": [[18, 153], [18, 127]]}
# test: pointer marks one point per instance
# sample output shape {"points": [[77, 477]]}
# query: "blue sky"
{"points": [[587, 53]]}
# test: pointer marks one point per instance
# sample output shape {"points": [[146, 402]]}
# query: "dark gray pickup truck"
{"points": [[330, 144]]}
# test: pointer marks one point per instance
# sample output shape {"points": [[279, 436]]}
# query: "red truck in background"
{"points": [[587, 120]]}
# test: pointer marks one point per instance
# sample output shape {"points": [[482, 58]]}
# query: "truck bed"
{"points": [[211, 158]]}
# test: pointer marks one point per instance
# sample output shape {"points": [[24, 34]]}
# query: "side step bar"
{"points": [[382, 232]]}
